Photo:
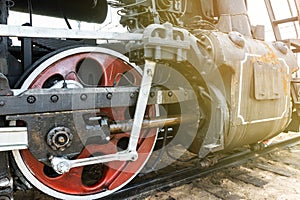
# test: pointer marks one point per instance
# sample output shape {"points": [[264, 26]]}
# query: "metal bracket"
{"points": [[164, 42]]}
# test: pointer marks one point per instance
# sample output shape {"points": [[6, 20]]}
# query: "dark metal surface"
{"points": [[82, 10], [40, 100], [80, 129], [54, 100], [3, 40], [26, 48]]}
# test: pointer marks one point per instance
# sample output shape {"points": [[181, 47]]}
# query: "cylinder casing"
{"points": [[256, 77]]}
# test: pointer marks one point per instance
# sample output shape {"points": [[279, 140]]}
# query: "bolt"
{"points": [[31, 99], [152, 94], [132, 95], [109, 96], [134, 156], [54, 98], [83, 97], [2, 103], [61, 139], [63, 167]]}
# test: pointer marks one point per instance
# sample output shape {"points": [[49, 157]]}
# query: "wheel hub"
{"points": [[59, 138]]}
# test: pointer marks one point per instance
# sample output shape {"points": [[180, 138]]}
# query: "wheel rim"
{"points": [[110, 177]]}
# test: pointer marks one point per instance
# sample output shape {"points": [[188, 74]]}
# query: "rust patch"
{"points": [[270, 58]]}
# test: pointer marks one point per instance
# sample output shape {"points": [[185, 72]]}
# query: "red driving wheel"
{"points": [[88, 67]]}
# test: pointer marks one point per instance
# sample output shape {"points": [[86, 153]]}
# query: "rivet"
{"points": [[54, 98], [109, 96], [31, 99], [83, 97]]}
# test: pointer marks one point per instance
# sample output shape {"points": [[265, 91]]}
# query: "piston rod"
{"points": [[159, 122]]}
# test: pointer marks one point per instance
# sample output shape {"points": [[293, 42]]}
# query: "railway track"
{"points": [[179, 177], [178, 174]]}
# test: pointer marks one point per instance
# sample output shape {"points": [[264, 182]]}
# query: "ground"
{"points": [[274, 176]]}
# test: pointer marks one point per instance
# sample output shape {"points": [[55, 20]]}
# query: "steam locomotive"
{"points": [[80, 118]]}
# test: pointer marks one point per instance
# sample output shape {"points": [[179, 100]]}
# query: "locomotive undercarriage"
{"points": [[80, 122], [96, 117]]}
